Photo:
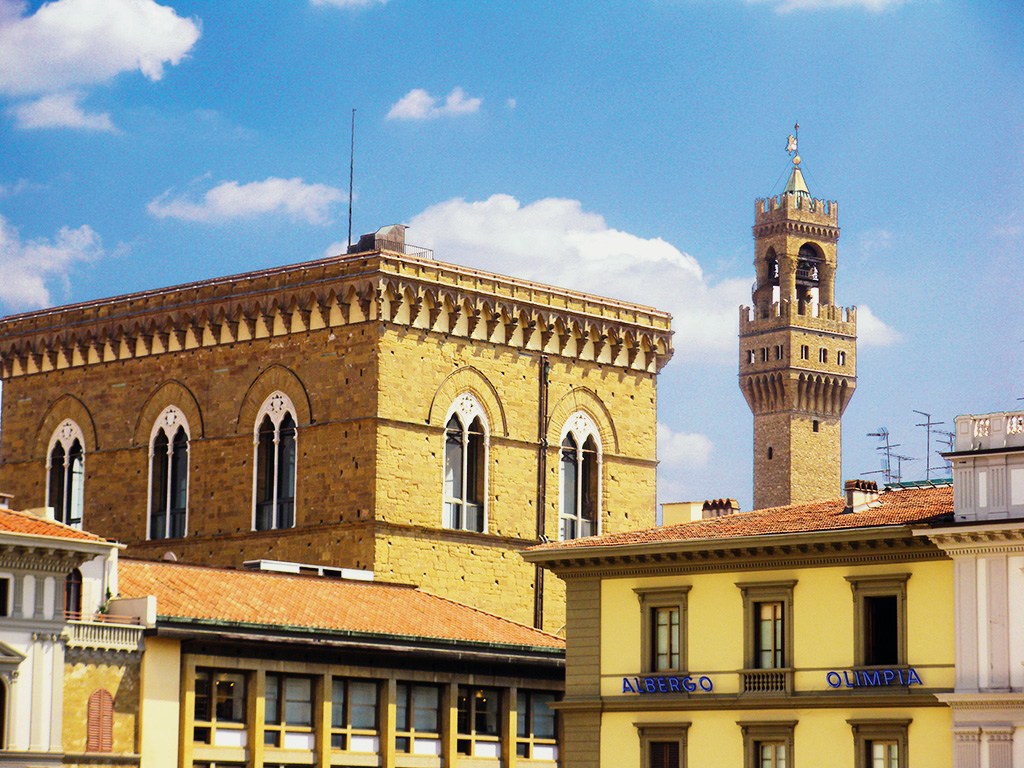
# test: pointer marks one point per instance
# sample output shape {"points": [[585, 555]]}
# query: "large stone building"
{"points": [[798, 349], [378, 410]]}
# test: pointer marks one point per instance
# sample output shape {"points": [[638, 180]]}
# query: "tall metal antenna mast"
{"points": [[947, 440], [351, 175], [928, 424]]}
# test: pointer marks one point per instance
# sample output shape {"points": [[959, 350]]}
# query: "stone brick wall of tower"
{"points": [[119, 676], [805, 464]]}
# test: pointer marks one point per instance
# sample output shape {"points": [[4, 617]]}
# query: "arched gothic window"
{"points": [[65, 470], [73, 595], [465, 466], [580, 465], [168, 475], [275, 443]]}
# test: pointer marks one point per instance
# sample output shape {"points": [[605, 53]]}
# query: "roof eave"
{"points": [[614, 552]]}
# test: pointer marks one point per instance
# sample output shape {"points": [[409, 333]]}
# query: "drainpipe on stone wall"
{"points": [[542, 454]]}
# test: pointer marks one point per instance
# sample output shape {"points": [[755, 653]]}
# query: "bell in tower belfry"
{"points": [[798, 350]]}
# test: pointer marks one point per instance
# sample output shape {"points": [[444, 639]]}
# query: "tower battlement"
{"points": [[785, 313], [791, 206]]}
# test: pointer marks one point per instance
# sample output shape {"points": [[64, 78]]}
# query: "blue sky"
{"points": [[608, 147]]}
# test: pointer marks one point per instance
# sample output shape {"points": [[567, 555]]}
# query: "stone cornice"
{"points": [[794, 550], [372, 287], [42, 559], [993, 537]]}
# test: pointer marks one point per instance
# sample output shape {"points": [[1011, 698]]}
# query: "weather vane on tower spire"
{"points": [[791, 144]]}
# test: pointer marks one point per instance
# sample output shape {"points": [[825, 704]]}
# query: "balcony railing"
{"points": [[766, 680], [104, 632]]}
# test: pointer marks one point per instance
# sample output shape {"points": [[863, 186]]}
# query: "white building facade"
{"points": [[987, 547], [43, 565]]}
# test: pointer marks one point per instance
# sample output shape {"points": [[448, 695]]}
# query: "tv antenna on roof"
{"points": [[928, 424], [883, 434]]}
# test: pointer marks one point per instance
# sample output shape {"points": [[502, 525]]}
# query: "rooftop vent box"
{"points": [[307, 569]]}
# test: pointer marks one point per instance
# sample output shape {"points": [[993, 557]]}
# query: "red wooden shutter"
{"points": [[100, 722]]}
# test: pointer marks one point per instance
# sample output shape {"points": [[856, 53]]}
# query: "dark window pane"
{"points": [[664, 754], [881, 629], [158, 497], [56, 491]]}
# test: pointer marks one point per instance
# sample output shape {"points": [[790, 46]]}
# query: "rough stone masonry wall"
{"points": [[118, 674], [805, 465], [329, 374], [421, 376]]}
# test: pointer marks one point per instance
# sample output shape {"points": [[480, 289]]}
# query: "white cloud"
{"points": [[417, 104], [510, 103], [73, 43], [683, 450], [231, 200], [555, 241], [789, 6], [59, 110], [28, 267], [872, 332], [19, 187]]}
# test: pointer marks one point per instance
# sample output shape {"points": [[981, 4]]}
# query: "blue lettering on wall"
{"points": [[667, 684], [857, 678]]}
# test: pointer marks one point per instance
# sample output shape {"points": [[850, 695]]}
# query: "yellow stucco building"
{"points": [[811, 635]]}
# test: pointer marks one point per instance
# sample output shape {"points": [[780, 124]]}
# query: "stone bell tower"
{"points": [[798, 349]]}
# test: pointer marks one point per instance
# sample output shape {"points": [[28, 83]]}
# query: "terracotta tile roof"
{"points": [[316, 603], [12, 521], [900, 506]]}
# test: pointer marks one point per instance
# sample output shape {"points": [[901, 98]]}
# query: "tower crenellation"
{"points": [[798, 348]]}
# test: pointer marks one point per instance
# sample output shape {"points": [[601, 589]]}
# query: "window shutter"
{"points": [[664, 754], [100, 722]]}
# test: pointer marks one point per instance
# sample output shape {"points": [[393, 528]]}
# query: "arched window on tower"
{"points": [[580, 471], [465, 466], [275, 447], [808, 277], [168, 475], [65, 469]]}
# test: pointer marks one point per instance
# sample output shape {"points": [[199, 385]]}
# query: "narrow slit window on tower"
{"points": [[764, 354], [814, 425], [769, 452], [751, 356], [778, 351], [841, 357], [822, 355], [805, 352]]}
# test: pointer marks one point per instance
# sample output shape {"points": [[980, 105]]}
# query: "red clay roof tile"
{"points": [[12, 521], [309, 602], [897, 507]]}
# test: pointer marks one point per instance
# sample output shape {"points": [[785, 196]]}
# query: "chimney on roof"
{"points": [[390, 238], [5, 500], [46, 513], [719, 508], [860, 495]]}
